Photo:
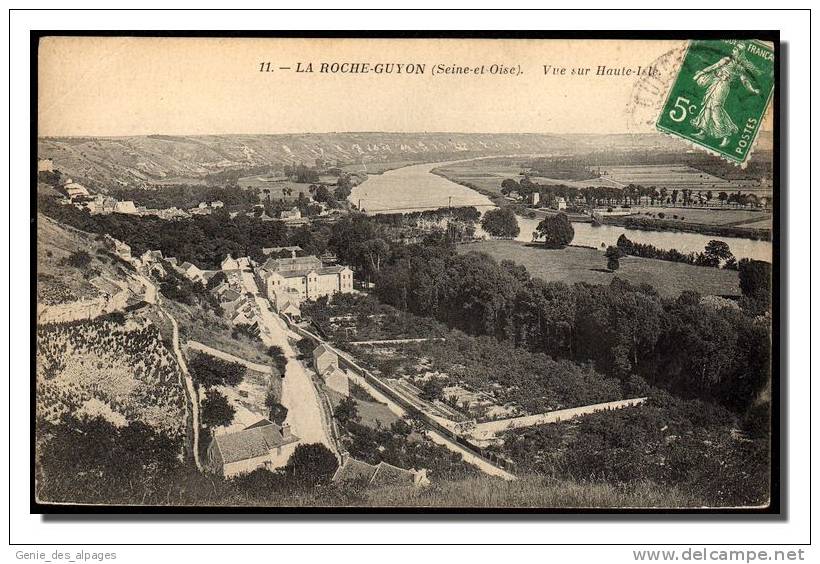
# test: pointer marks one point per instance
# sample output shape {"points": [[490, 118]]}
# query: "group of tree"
{"points": [[208, 372], [501, 222], [555, 230], [629, 195], [698, 350], [716, 254]]}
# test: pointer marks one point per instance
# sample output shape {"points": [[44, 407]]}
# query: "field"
{"points": [[378, 167], [484, 174], [575, 264], [487, 174], [275, 185], [198, 324], [714, 216], [372, 413]]}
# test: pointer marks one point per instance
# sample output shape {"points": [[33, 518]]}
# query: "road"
{"points": [[435, 436], [299, 395], [193, 397]]}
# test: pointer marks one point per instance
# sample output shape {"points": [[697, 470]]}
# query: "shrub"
{"points": [[79, 259]]}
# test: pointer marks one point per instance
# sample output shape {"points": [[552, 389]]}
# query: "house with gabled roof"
{"points": [[261, 445], [324, 358], [353, 471], [306, 277], [326, 363]]}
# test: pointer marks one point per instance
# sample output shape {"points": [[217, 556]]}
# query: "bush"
{"points": [[210, 371], [661, 215], [311, 465], [79, 259], [216, 410]]}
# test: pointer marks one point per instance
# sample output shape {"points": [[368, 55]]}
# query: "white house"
{"points": [[75, 190], [324, 358], [45, 165], [261, 445], [304, 277], [326, 363], [192, 272], [229, 263], [292, 213]]}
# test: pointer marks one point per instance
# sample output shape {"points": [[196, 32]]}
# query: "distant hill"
{"points": [[105, 161]]}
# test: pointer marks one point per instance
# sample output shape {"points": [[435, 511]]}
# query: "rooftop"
{"points": [[253, 441]]}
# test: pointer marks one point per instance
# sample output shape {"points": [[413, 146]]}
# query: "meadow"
{"points": [[578, 264]]}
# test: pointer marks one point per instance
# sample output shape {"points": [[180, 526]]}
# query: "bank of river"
{"points": [[415, 188]]}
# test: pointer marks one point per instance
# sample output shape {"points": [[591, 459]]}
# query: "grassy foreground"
{"points": [[532, 492]]}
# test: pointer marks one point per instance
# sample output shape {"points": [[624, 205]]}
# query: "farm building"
{"points": [[326, 363], [261, 445], [382, 474]]}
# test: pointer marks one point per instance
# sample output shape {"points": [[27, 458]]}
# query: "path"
{"points": [[396, 341], [201, 347], [489, 429], [299, 395], [190, 390], [435, 436]]}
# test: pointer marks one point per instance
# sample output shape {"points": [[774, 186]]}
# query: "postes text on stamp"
{"points": [[720, 96]]}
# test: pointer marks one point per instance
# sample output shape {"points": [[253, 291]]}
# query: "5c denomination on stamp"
{"points": [[720, 96]]}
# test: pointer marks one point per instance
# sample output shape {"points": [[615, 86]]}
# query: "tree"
{"points": [[501, 222], [509, 185], [346, 411], [311, 464], [277, 412], [322, 194], [216, 410], [432, 389], [556, 230], [278, 357], [210, 371], [613, 255], [756, 284], [715, 252], [79, 259]]}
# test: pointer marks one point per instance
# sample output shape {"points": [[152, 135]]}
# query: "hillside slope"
{"points": [[132, 160]]}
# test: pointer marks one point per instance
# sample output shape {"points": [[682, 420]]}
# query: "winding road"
{"points": [[299, 395]]}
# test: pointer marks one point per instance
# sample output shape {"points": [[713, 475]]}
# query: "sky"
{"points": [[187, 86]]}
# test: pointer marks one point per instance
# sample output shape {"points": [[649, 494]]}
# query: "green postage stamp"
{"points": [[720, 96]]}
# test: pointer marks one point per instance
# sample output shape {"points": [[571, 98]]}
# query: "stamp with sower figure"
{"points": [[720, 95]]}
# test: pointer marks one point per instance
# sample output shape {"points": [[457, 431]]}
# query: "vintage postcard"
{"points": [[504, 272]]}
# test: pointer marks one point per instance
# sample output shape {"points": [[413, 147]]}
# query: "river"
{"points": [[415, 188]]}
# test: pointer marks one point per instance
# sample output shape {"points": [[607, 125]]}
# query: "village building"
{"points": [[117, 247], [290, 214], [288, 303], [353, 471], [75, 190], [560, 203], [303, 278], [261, 445], [192, 272], [292, 250], [533, 198], [326, 363], [216, 204], [230, 263]]}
